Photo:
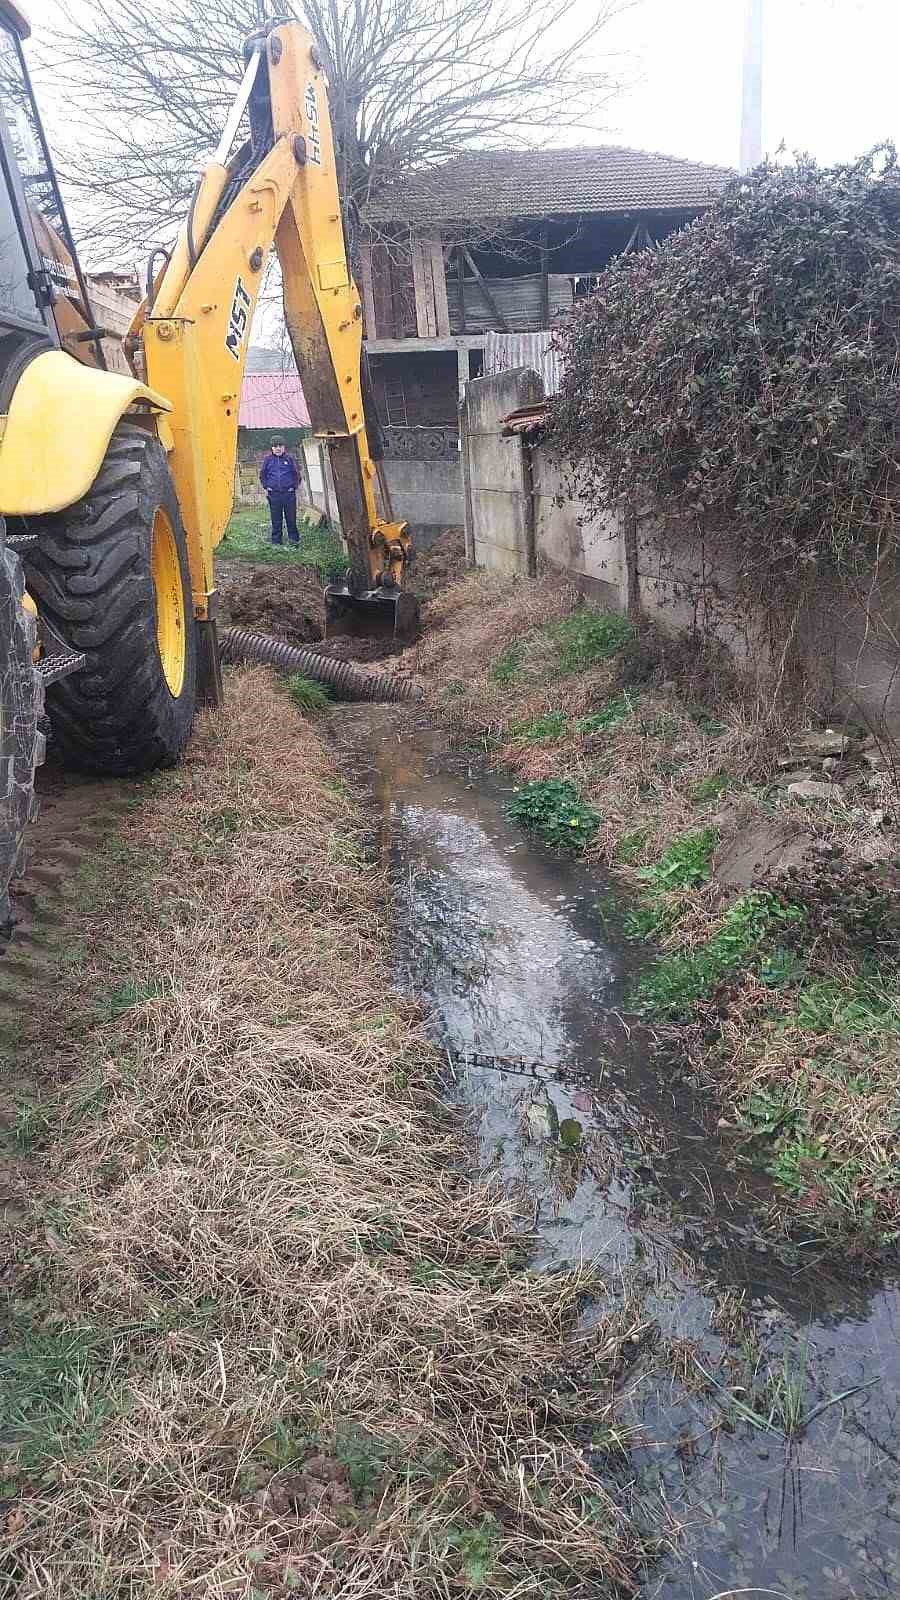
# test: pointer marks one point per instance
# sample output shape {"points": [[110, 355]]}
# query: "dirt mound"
{"points": [[765, 846], [284, 601], [287, 601], [443, 563]]}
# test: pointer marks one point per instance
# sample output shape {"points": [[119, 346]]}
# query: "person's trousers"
{"points": [[284, 506]]}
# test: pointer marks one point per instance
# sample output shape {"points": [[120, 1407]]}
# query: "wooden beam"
{"points": [[545, 280], [489, 298], [439, 278], [370, 326], [381, 275], [418, 287], [461, 280]]}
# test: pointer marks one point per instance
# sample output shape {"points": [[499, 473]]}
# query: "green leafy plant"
{"points": [[781, 968], [552, 807], [706, 721], [768, 1114], [685, 863], [649, 921], [308, 695], [588, 637], [364, 1455], [709, 788], [477, 1548], [630, 845]]}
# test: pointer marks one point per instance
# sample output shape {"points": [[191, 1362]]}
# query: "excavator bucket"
{"points": [[372, 613]]}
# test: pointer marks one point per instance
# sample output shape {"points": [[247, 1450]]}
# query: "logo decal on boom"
{"points": [[239, 321], [311, 107]]}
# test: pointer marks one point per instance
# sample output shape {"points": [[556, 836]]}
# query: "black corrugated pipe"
{"points": [[347, 681]]}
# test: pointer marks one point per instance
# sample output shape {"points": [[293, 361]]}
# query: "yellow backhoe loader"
{"points": [[115, 490]]}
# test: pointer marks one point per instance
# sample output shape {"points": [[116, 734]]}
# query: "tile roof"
{"points": [[273, 400], [537, 183]]}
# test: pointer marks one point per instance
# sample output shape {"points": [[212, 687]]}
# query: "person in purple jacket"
{"points": [[280, 479]]}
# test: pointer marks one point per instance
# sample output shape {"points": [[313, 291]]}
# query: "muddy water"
{"points": [[511, 950]]}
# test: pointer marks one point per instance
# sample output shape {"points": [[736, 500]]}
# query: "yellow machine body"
{"points": [[188, 346], [195, 334], [76, 409]]}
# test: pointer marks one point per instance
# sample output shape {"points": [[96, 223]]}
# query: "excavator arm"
{"points": [[192, 332]]}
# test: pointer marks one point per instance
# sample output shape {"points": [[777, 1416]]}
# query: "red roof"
{"points": [[273, 400]]}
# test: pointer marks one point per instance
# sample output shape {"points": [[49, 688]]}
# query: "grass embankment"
{"points": [[248, 537], [783, 984], [261, 1332]]}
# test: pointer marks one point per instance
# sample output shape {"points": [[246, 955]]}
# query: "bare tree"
{"points": [[145, 85]]}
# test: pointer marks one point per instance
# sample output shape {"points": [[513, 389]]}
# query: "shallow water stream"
{"points": [[510, 950]]}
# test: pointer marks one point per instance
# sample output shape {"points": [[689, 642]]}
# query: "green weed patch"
{"points": [[541, 730], [862, 1007], [709, 788], [685, 864], [588, 637], [308, 695], [508, 665], [554, 810], [612, 715], [675, 983]]}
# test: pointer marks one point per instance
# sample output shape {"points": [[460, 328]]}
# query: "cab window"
{"points": [[21, 150]]}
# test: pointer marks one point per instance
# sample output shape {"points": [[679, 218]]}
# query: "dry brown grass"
{"points": [[468, 626], [315, 1360]]}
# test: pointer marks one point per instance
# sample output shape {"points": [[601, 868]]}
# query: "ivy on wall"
{"points": [[746, 374]]}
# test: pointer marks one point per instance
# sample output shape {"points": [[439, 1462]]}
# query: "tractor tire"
{"points": [[21, 710], [111, 579]]}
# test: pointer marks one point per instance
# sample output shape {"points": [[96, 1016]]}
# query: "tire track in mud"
{"points": [[77, 819]]}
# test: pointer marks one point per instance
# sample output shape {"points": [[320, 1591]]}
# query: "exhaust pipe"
{"points": [[347, 681]]}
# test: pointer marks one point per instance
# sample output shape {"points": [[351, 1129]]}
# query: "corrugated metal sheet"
{"points": [[273, 400], [504, 351], [519, 301]]}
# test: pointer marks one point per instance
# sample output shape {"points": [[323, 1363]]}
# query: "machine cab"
{"points": [[43, 298]]}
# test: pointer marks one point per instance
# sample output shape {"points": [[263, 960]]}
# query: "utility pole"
{"points": [[751, 107]]}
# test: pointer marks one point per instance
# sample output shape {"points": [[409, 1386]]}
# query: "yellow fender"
{"points": [[57, 433]]}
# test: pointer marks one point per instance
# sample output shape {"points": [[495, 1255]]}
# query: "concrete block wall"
{"points": [[426, 494], [587, 546], [499, 510]]}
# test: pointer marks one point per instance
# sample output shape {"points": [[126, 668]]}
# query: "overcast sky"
{"points": [[830, 76], [831, 72]]}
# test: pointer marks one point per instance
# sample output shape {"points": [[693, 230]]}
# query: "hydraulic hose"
{"points": [[345, 679]]}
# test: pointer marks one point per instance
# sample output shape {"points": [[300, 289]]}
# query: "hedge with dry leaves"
{"points": [[748, 370]]}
